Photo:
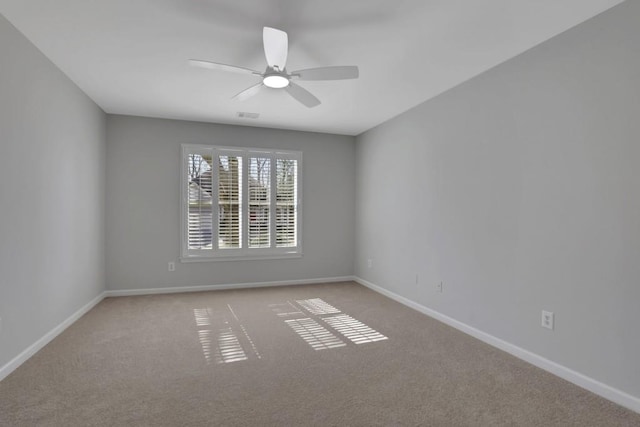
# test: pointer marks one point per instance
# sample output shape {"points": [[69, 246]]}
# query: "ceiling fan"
{"points": [[276, 46]]}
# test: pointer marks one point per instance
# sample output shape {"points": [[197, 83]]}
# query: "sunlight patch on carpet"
{"points": [[317, 336], [218, 337], [246, 334], [229, 349], [202, 317], [354, 330], [317, 306], [206, 343]]}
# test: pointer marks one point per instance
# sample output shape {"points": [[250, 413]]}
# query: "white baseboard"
{"points": [[179, 289], [581, 380], [46, 339]]}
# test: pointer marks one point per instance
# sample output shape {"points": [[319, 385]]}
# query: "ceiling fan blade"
{"points": [[222, 67], [248, 93], [302, 95], [276, 47], [328, 73]]}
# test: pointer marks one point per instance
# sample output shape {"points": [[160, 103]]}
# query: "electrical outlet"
{"points": [[369, 263], [547, 319], [439, 287], [172, 266]]}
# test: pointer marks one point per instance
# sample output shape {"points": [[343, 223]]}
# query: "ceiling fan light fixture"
{"points": [[276, 81], [276, 46]]}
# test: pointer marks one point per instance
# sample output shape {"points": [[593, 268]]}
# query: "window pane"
{"points": [[199, 209], [286, 203], [259, 202], [229, 202]]}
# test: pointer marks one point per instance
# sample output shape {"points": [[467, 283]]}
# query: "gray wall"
{"points": [[143, 204], [520, 190], [52, 173]]}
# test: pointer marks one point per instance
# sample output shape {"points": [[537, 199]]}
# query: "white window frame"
{"points": [[243, 253]]}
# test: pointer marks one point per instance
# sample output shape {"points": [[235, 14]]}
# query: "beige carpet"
{"points": [[330, 355]]}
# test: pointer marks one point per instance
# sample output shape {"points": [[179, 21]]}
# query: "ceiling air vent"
{"points": [[245, 115]]}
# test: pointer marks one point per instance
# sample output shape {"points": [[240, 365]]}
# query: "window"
{"points": [[240, 203]]}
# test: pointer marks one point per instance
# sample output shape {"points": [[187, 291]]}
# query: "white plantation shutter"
{"points": [[286, 202], [229, 202], [259, 202], [257, 193], [200, 201]]}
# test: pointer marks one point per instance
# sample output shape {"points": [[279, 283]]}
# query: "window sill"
{"points": [[238, 258]]}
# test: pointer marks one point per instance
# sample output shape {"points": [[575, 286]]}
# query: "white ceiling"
{"points": [[130, 56]]}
